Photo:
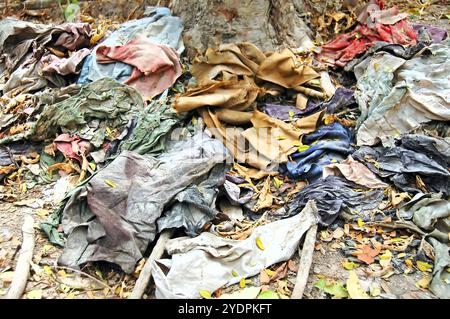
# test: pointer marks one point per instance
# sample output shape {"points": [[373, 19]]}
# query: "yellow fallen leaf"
{"points": [[48, 270], [205, 294], [42, 212], [269, 272], [360, 222], [354, 288], [291, 115], [93, 166], [277, 182], [423, 266], [34, 294], [62, 273], [281, 137], [409, 263], [110, 183], [303, 148], [375, 291], [242, 283], [259, 243], [70, 296], [424, 282], [64, 288], [234, 273], [401, 255], [349, 265]]}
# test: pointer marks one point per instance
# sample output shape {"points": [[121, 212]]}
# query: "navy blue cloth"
{"points": [[329, 144]]}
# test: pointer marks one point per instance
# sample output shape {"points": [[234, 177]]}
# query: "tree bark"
{"points": [[269, 24]]}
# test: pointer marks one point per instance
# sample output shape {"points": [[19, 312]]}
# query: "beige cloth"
{"points": [[354, 171]]}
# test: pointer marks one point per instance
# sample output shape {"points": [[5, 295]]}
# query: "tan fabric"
{"points": [[308, 124], [251, 173], [354, 171], [273, 138], [234, 117], [284, 69], [239, 59], [234, 94], [230, 79], [226, 76]]}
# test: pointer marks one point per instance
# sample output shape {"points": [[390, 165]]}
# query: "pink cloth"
{"points": [[156, 66], [72, 147]]}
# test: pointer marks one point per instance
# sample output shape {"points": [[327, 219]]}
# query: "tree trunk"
{"points": [[269, 24]]}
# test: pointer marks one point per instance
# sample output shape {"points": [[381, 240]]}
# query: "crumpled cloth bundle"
{"points": [[333, 194], [229, 79], [341, 99], [156, 66], [98, 105], [26, 53], [207, 262], [414, 156], [376, 25], [227, 76], [113, 217], [431, 212], [329, 144], [142, 53], [396, 95]]}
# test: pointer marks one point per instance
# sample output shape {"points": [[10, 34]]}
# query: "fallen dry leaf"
{"points": [[367, 254], [354, 287]]}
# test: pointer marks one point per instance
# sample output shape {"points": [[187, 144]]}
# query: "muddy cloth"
{"points": [[342, 98], [334, 194], [329, 144], [160, 28], [440, 284], [21, 38], [208, 262], [195, 205], [266, 143], [26, 45], [396, 50], [430, 212], [414, 156], [396, 95], [113, 216]]}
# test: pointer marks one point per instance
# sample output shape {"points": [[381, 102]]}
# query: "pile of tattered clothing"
{"points": [[242, 153]]}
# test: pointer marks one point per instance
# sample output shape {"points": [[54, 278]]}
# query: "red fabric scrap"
{"points": [[347, 46]]}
